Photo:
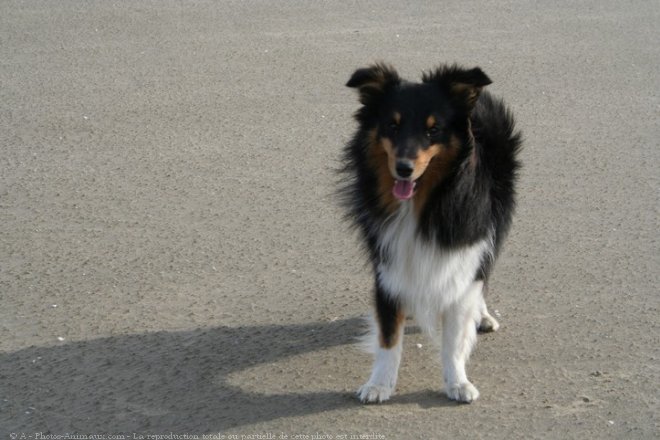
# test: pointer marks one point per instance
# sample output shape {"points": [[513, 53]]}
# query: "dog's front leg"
{"points": [[388, 340], [459, 335]]}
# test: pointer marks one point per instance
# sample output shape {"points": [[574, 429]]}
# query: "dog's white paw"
{"points": [[488, 324], [374, 393], [462, 392]]}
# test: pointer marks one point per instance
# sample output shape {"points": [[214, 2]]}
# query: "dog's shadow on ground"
{"points": [[163, 382]]}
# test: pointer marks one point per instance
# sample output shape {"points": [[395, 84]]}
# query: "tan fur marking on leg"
{"points": [[400, 320]]}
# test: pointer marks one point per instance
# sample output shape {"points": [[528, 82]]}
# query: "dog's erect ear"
{"points": [[373, 81], [464, 84]]}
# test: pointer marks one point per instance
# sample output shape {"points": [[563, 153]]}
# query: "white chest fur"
{"points": [[424, 277]]}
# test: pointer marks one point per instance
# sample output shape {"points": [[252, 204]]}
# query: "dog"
{"points": [[429, 182]]}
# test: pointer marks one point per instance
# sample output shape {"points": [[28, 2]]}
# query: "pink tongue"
{"points": [[403, 189]]}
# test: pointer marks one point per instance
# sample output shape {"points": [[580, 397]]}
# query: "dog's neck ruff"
{"points": [[425, 277]]}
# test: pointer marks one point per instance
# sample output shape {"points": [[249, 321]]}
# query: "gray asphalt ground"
{"points": [[173, 260]]}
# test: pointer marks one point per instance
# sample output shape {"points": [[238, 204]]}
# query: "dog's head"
{"points": [[416, 123]]}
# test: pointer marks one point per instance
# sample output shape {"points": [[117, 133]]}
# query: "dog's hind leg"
{"points": [[486, 323], [388, 339], [459, 334]]}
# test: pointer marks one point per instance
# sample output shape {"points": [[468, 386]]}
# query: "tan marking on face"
{"points": [[398, 330], [388, 147], [432, 167], [397, 118], [381, 157], [423, 159], [430, 121]]}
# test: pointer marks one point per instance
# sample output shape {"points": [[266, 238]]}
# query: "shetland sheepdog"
{"points": [[428, 180]]}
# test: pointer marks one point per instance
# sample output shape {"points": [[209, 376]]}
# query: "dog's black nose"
{"points": [[404, 168]]}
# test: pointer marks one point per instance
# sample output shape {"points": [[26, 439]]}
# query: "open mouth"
{"points": [[404, 189]]}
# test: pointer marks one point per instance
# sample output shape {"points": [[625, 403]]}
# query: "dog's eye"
{"points": [[433, 131], [393, 126]]}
